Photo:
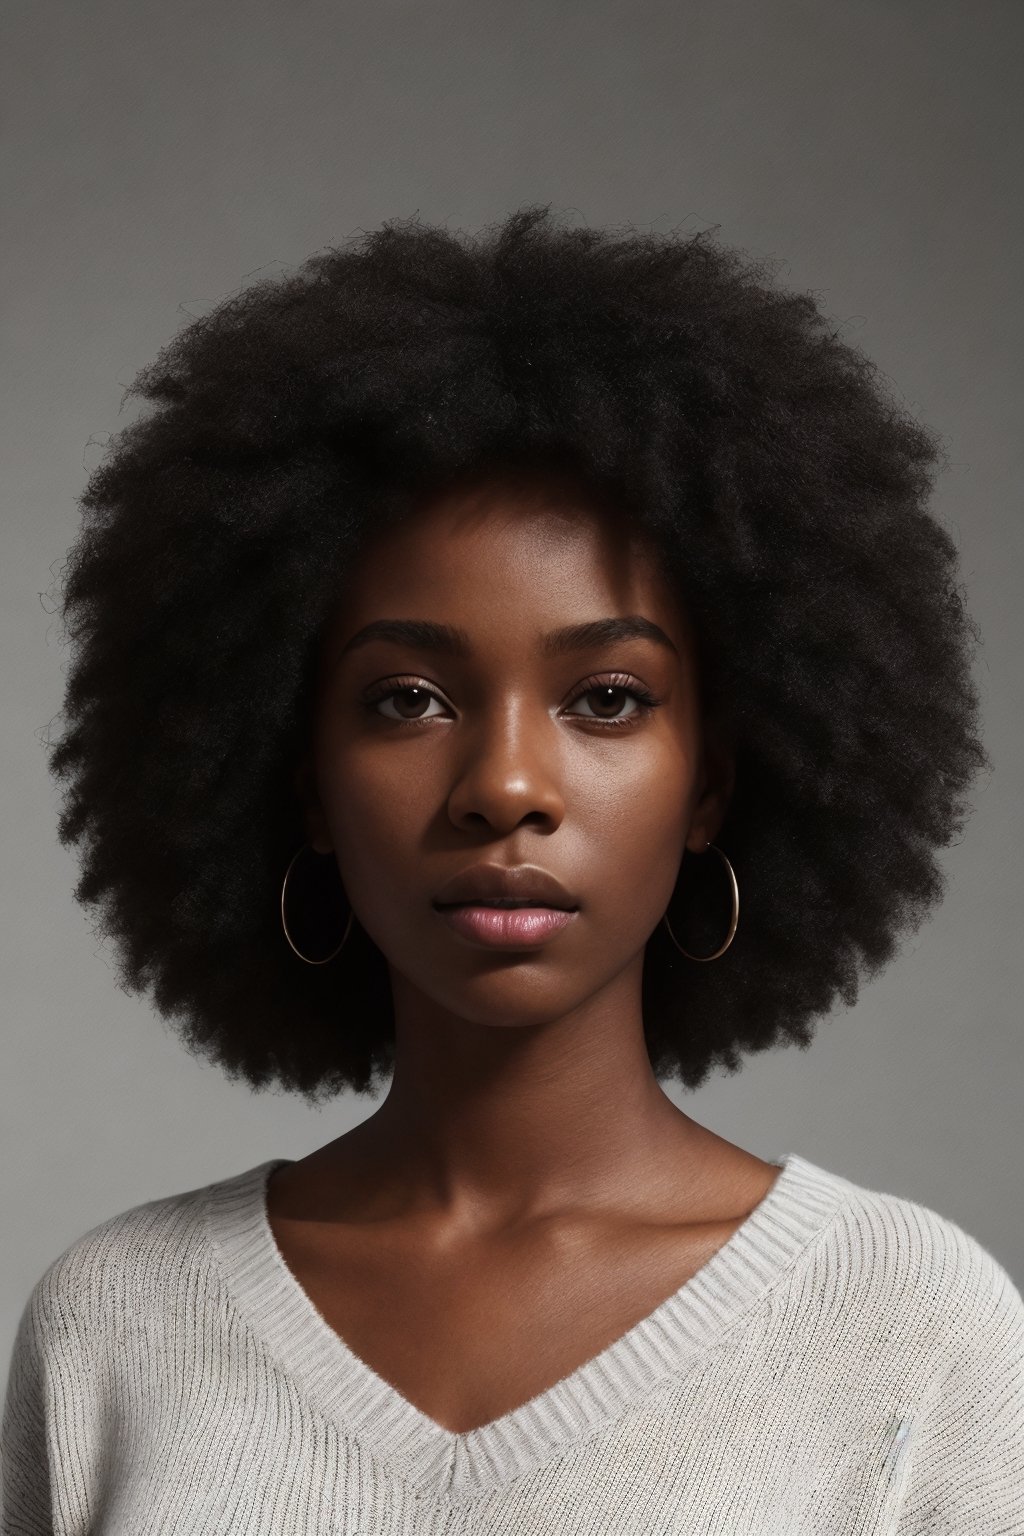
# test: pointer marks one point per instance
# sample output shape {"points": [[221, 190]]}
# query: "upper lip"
{"points": [[525, 882]]}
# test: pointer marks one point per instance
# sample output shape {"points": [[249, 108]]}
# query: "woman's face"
{"points": [[510, 751]]}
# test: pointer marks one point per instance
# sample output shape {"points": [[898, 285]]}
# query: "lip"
{"points": [[521, 882], [506, 927]]}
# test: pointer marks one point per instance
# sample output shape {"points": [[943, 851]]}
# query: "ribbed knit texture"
{"points": [[849, 1362]]}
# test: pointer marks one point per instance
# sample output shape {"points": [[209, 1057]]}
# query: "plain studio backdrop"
{"points": [[157, 156]]}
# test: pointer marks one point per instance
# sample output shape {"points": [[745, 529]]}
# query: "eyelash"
{"points": [[646, 701]]}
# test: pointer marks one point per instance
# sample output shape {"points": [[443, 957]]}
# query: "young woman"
{"points": [[470, 628]]}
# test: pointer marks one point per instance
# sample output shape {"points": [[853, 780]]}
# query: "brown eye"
{"points": [[608, 699], [413, 695]]}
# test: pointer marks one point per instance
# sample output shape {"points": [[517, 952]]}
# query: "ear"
{"points": [[304, 782], [717, 784]]}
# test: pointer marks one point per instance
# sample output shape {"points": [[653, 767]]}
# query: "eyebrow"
{"points": [[448, 640]]}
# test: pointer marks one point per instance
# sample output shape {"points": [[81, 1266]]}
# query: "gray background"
{"points": [[156, 155]]}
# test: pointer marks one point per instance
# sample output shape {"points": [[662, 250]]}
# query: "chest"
{"points": [[469, 1333]]}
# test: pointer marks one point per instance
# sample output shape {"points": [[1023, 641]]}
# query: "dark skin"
{"points": [[526, 1192]]}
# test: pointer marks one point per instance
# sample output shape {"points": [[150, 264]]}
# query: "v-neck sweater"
{"points": [[848, 1362]]}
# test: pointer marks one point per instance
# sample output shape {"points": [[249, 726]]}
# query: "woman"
{"points": [[469, 627]]}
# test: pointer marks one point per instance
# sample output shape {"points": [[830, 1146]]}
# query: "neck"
{"points": [[491, 1124]]}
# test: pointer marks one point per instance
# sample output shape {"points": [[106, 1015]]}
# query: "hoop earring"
{"points": [[284, 921], [735, 915]]}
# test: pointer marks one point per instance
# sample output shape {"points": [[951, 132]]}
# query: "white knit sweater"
{"points": [[849, 1362]]}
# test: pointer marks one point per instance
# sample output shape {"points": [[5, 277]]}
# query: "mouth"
{"points": [[505, 924]]}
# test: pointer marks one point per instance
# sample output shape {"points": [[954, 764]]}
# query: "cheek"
{"points": [[646, 792], [377, 806], [380, 807], [634, 829], [627, 812]]}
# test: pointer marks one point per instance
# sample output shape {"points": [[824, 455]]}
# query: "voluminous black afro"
{"points": [[787, 489]]}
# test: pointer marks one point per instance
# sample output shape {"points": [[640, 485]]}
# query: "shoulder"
{"points": [[926, 1281], [119, 1269]]}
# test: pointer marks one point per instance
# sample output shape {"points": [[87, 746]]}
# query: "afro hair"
{"points": [[786, 488]]}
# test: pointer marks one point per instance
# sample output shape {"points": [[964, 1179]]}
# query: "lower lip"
{"points": [[506, 927]]}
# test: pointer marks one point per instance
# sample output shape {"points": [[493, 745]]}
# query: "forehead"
{"points": [[529, 555]]}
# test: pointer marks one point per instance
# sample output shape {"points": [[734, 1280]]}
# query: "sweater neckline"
{"points": [[431, 1458]]}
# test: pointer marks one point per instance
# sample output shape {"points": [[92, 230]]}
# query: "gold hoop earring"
{"points": [[284, 921], [735, 915]]}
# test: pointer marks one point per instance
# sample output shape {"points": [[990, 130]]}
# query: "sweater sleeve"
{"points": [[24, 1482], [48, 1436], [966, 1471]]}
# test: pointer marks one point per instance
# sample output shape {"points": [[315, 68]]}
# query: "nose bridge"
{"points": [[510, 758]]}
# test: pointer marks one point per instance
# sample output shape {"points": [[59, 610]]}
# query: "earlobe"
{"points": [[719, 781], [317, 834]]}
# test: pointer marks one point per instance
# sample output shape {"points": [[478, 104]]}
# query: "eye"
{"points": [[610, 693], [414, 694]]}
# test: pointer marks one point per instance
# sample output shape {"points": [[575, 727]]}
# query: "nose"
{"points": [[508, 769]]}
